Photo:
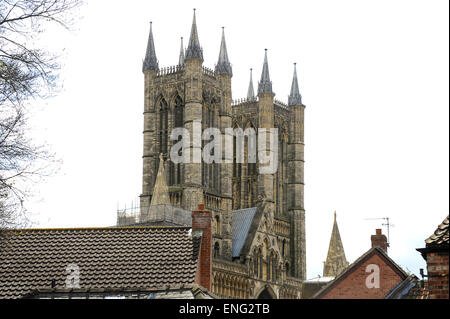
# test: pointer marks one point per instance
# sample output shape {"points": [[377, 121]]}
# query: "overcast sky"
{"points": [[373, 75]]}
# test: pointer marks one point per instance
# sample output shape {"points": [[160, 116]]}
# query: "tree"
{"points": [[27, 73]]}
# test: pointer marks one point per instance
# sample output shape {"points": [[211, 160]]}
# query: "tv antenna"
{"points": [[387, 223]]}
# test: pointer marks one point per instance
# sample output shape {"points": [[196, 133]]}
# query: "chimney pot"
{"points": [[378, 231], [201, 206]]}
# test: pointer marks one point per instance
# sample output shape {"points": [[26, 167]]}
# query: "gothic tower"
{"points": [[259, 218], [193, 97]]}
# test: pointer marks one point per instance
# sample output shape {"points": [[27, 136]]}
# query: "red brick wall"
{"points": [[437, 268], [202, 220], [354, 286]]}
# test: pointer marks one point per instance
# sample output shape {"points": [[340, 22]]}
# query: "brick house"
{"points": [[159, 262], [371, 276], [436, 255]]}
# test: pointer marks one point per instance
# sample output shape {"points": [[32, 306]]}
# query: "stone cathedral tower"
{"points": [[259, 219]]}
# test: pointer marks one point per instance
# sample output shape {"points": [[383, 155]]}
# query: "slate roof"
{"points": [[242, 220], [440, 235], [116, 257], [410, 288]]}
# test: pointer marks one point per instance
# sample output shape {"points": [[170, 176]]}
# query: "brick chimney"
{"points": [[379, 240], [201, 223]]}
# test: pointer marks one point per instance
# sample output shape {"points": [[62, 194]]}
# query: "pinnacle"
{"points": [[194, 51], [150, 61], [295, 97], [265, 85]]}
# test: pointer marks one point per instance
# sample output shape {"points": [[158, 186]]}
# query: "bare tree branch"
{"points": [[27, 73]]}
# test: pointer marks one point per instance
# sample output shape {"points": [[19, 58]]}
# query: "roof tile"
{"points": [[143, 257]]}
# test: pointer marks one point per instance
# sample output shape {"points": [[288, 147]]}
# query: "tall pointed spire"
{"points": [[295, 97], [223, 65], [265, 85], [194, 51], [251, 91], [160, 190], [336, 261], [150, 61], [181, 58]]}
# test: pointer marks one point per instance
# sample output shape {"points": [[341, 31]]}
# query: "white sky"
{"points": [[373, 75]]}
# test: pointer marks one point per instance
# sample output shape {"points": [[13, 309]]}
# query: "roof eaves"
{"points": [[356, 263]]}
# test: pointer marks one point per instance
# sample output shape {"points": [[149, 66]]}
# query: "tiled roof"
{"points": [[117, 257], [242, 220], [440, 235], [356, 264]]}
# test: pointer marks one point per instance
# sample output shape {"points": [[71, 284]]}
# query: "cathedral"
{"points": [[258, 219]]}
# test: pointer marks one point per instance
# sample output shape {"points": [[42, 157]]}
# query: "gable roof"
{"points": [[242, 220], [116, 257], [352, 267]]}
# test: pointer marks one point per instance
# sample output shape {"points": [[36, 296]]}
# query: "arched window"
{"points": [[260, 264], [178, 122], [274, 269], [217, 225], [266, 261], [163, 126], [283, 248], [287, 269], [216, 250], [237, 169], [210, 171]]}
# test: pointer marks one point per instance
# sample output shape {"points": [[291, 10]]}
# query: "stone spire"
{"points": [[150, 61], [194, 51], [251, 91], [336, 261], [223, 65], [160, 190], [265, 85], [181, 58], [295, 98]]}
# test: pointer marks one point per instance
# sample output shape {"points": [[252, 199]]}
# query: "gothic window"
{"points": [[178, 122], [274, 269], [237, 168], [210, 172], [266, 268], [250, 193], [283, 248], [163, 126], [216, 250], [217, 225], [260, 264], [287, 269]]}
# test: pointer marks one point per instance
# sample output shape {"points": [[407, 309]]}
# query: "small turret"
{"points": [[181, 58], [295, 97], [150, 61], [223, 65], [265, 85], [251, 91], [194, 51]]}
